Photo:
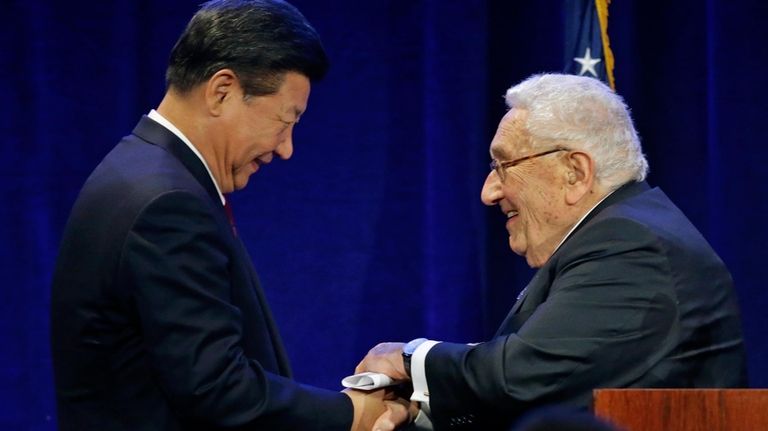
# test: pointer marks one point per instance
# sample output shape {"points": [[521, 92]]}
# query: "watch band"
{"points": [[408, 350]]}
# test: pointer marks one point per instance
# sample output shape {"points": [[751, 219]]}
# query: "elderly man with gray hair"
{"points": [[627, 294]]}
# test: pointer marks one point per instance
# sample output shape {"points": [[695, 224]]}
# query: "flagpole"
{"points": [[602, 14]]}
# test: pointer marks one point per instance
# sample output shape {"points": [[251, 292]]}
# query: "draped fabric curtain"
{"points": [[374, 230]]}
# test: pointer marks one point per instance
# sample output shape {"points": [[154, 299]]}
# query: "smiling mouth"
{"points": [[511, 214]]}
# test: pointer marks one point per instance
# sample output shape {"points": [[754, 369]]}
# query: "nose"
{"points": [[491, 193], [285, 149]]}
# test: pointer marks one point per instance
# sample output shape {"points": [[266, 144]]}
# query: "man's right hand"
{"points": [[379, 410], [368, 406], [399, 412]]}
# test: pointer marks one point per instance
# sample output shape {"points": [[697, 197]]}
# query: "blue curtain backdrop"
{"points": [[374, 230]]}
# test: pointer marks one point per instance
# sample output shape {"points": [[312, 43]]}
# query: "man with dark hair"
{"points": [[158, 318]]}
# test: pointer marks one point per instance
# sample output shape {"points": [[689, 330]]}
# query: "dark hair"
{"points": [[260, 40]]}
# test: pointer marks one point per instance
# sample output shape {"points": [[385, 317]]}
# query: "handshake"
{"points": [[384, 403]]}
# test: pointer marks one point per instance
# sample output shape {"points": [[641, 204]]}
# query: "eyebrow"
{"points": [[296, 116], [498, 151]]}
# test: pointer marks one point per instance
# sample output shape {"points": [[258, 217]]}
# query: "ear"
{"points": [[580, 176], [220, 88]]}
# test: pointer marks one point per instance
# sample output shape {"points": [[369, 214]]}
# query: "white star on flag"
{"points": [[587, 63]]}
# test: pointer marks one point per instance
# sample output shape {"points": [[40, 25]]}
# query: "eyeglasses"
{"points": [[501, 167]]}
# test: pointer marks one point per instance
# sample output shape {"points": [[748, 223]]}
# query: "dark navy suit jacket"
{"points": [[635, 297], [158, 319]]}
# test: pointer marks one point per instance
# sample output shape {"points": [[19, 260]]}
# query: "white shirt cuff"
{"points": [[419, 373]]}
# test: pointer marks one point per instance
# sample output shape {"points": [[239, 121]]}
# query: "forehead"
{"points": [[511, 137]]}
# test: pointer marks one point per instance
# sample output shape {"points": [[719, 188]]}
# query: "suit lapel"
{"points": [[277, 344], [543, 279], [156, 134], [516, 318]]}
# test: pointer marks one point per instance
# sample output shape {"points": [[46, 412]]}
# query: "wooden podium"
{"points": [[683, 409]]}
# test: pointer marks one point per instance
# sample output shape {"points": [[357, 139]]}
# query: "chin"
{"points": [[520, 251], [533, 263], [240, 178], [240, 183]]}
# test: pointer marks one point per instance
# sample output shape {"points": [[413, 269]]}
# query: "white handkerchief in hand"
{"points": [[368, 381]]}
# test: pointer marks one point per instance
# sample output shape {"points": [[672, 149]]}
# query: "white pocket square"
{"points": [[368, 381]]}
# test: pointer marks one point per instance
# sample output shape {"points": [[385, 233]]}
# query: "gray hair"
{"points": [[589, 116]]}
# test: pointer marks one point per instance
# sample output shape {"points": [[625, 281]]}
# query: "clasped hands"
{"points": [[387, 408]]}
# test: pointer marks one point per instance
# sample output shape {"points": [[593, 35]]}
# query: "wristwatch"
{"points": [[408, 350]]}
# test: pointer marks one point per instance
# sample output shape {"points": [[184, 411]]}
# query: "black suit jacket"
{"points": [[634, 298], [158, 319]]}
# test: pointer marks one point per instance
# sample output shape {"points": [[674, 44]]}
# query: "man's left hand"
{"points": [[399, 412]]}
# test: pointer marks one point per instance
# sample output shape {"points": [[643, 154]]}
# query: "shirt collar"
{"points": [[581, 220], [154, 115]]}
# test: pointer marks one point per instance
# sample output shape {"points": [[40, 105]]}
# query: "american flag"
{"points": [[587, 50]]}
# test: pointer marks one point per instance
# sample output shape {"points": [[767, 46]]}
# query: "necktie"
{"points": [[230, 217]]}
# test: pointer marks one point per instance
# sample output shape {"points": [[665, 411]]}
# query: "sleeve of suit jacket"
{"points": [[609, 315], [176, 262]]}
